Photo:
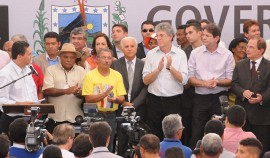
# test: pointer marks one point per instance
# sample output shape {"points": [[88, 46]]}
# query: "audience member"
{"points": [[165, 71], [100, 133], [17, 134], [173, 129], [105, 87], [4, 146], [147, 29], [238, 47], [62, 86], [78, 37], [119, 31], [130, 67], [51, 44], [149, 146], [216, 126], [21, 37], [251, 78], [251, 28], [21, 92], [52, 151], [211, 146], [5, 59], [174, 152], [181, 37], [8, 47], [249, 148], [81, 146], [63, 136], [101, 40], [150, 42], [210, 72], [233, 132]]}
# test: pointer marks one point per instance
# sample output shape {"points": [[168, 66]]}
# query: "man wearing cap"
{"points": [[62, 85]]}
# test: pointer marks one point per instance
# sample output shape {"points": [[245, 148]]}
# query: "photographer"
{"points": [[173, 129], [17, 133], [233, 132]]}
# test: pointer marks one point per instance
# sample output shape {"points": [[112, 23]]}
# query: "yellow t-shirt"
{"points": [[95, 83]]}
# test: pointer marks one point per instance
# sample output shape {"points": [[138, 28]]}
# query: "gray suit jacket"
{"points": [[256, 113], [139, 89], [41, 61]]}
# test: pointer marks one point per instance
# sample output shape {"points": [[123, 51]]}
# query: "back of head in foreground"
{"points": [[235, 116], [99, 133], [17, 130], [149, 145], [63, 135], [171, 125], [81, 146], [52, 151], [4, 146], [174, 152], [211, 146], [214, 126]]}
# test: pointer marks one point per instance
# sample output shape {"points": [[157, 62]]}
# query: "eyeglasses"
{"points": [[150, 30], [105, 58]]}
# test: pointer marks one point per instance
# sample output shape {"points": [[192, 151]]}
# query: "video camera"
{"points": [[90, 111], [224, 107], [132, 127], [35, 132]]}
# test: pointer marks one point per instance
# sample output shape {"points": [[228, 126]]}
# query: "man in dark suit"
{"points": [[147, 29], [134, 85], [251, 84], [119, 31]]}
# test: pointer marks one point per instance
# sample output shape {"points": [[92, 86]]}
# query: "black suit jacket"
{"points": [[114, 52], [257, 114], [140, 51], [139, 89]]}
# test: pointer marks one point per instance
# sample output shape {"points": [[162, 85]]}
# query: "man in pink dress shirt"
{"points": [[233, 133]]}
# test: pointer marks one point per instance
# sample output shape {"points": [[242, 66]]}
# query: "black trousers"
{"points": [[262, 132], [158, 108], [5, 121], [204, 106]]}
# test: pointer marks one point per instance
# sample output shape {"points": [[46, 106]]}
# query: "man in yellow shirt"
{"points": [[105, 87]]}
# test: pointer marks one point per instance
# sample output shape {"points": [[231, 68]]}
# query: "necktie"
{"points": [[130, 76], [253, 71]]}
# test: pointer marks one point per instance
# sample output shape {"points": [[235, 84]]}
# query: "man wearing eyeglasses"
{"points": [[105, 87], [147, 29], [165, 71]]}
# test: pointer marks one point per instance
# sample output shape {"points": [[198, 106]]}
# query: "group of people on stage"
{"points": [[174, 89]]}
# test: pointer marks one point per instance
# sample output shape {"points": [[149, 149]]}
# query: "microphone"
{"points": [[33, 70]]}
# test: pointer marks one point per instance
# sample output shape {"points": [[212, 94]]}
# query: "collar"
{"points": [[133, 60], [258, 61], [100, 149], [171, 140], [47, 57], [18, 69], [218, 50], [174, 49], [229, 129], [64, 68], [16, 145]]}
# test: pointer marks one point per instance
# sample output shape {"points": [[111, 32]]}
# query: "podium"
{"points": [[26, 109]]}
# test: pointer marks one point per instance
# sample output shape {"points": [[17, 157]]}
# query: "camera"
{"points": [[35, 132], [90, 111], [224, 107], [132, 127]]}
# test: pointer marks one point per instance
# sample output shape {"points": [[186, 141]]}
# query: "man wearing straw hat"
{"points": [[62, 85]]}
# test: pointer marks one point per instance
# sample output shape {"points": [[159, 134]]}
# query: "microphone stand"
{"points": [[16, 80]]}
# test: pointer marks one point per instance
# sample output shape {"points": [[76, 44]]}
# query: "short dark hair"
{"points": [[81, 145], [52, 151], [19, 48], [181, 27], [191, 21], [174, 152], [150, 143], [205, 21], [17, 130], [235, 42], [148, 23], [252, 142], [213, 29], [99, 132], [196, 26], [214, 126], [94, 51], [52, 35], [124, 28], [248, 24], [4, 145], [236, 115]]}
